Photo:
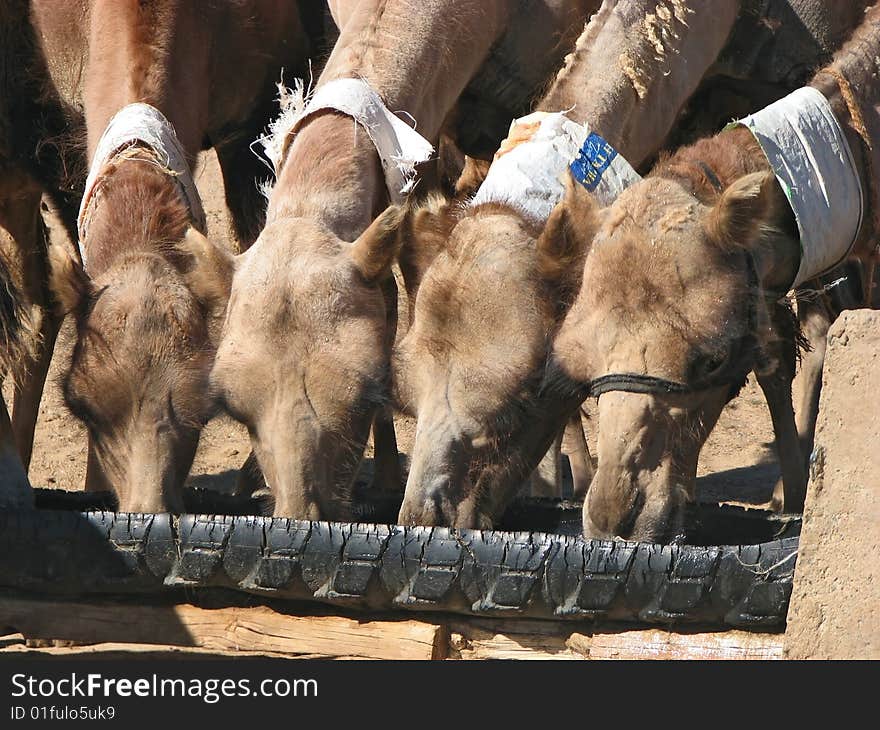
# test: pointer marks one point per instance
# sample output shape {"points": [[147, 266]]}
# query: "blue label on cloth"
{"points": [[592, 160]]}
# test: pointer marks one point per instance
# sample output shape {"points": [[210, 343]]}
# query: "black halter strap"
{"points": [[635, 383], [743, 361], [710, 176]]}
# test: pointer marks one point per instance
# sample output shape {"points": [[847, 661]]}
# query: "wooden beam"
{"points": [[134, 652], [517, 639], [146, 630], [659, 644], [230, 629], [480, 638]]}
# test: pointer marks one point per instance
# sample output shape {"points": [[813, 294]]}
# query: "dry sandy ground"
{"points": [[738, 462]]}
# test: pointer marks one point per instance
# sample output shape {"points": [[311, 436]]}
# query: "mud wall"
{"points": [[835, 604]]}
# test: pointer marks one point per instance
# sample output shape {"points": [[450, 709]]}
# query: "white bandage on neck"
{"points": [[809, 153], [400, 147], [528, 172], [140, 125]]}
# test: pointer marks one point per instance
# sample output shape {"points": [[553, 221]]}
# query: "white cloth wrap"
{"points": [[399, 146], [809, 153], [531, 176], [141, 124]]}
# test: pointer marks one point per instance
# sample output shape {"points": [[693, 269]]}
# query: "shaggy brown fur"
{"points": [[138, 209], [42, 150], [17, 335]]}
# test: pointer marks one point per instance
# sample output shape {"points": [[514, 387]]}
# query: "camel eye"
{"points": [[87, 415], [705, 365]]}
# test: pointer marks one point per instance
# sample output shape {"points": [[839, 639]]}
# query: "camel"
{"points": [[304, 352], [171, 79], [491, 287], [683, 293], [38, 153]]}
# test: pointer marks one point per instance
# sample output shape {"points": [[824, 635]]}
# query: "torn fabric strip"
{"points": [[400, 147], [809, 153], [141, 125], [528, 172]]}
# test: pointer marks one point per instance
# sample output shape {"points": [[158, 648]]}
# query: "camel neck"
{"points": [[708, 167], [332, 175], [139, 208], [631, 86], [712, 164]]}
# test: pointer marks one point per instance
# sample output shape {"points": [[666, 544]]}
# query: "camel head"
{"points": [[138, 375], [303, 356], [670, 294], [470, 368]]}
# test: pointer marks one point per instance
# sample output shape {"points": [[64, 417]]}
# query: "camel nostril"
{"points": [[613, 507], [427, 507]]}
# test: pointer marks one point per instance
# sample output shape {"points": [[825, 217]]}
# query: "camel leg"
{"points": [[815, 319], [776, 384], [546, 480], [15, 490], [815, 316], [386, 472], [20, 216], [789, 496], [574, 446], [29, 390], [242, 170], [386, 464]]}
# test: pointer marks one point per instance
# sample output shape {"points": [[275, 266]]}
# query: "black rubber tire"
{"points": [[380, 567], [705, 524]]}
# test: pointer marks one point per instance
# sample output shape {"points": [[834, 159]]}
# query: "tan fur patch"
{"points": [[658, 40], [616, 216], [674, 219]]}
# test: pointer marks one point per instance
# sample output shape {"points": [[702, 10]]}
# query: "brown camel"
{"points": [[682, 295]]}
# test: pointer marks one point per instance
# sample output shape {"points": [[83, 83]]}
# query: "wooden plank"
{"points": [[499, 646], [518, 639], [229, 629], [477, 638], [114, 628], [111, 650], [659, 644]]}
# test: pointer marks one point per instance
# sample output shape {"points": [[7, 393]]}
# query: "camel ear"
{"points": [[377, 247], [426, 228], [209, 268], [567, 234], [69, 283], [742, 210]]}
